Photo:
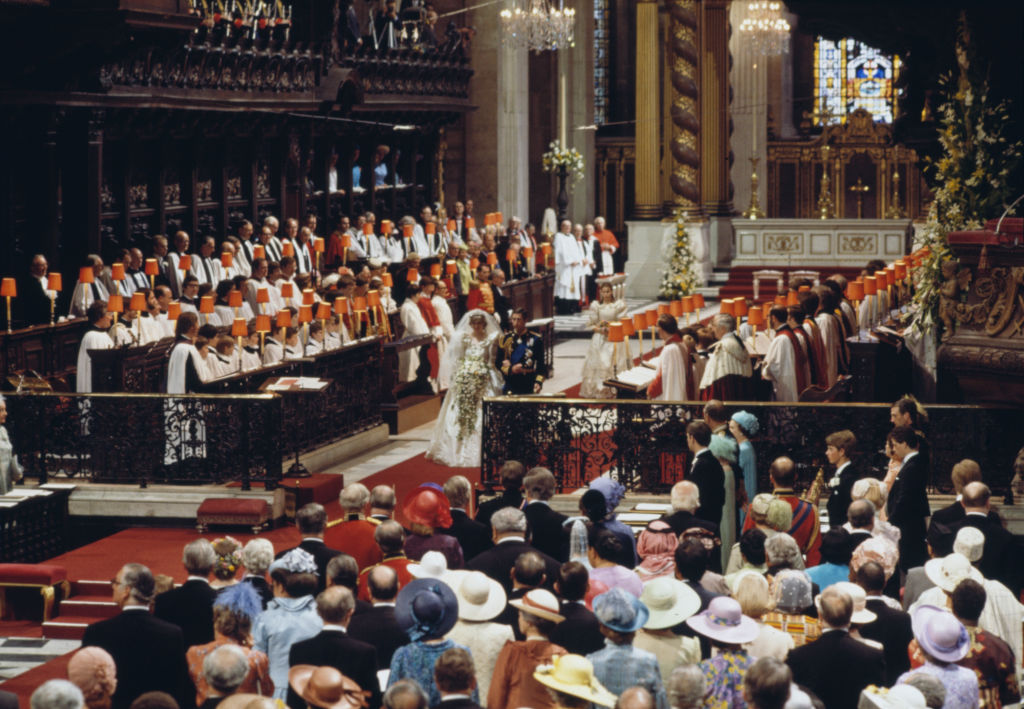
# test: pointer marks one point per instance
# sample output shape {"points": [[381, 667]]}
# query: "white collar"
{"points": [[197, 578], [842, 467], [977, 514], [334, 626], [512, 539], [313, 539], [826, 629], [909, 455], [135, 607], [538, 502], [454, 695], [384, 604]]}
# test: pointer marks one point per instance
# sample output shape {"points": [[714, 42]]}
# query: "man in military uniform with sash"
{"points": [[522, 357]]}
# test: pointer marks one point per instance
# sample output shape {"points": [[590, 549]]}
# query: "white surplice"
{"points": [[780, 368], [567, 253], [409, 360], [831, 337], [672, 368], [92, 340]]}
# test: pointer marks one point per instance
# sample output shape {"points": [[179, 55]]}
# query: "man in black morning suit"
{"points": [[1000, 551], [378, 626], [892, 628], [190, 605], [474, 537], [907, 503], [149, 653], [706, 473], [547, 531], [836, 667], [455, 677], [580, 632], [332, 646], [509, 534], [511, 475], [311, 521]]}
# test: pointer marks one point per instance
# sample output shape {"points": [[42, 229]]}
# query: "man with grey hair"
{"points": [[353, 534], [57, 694], [390, 538], [190, 605], [728, 375], [782, 552], [930, 687], [405, 694], [224, 670], [685, 687], [333, 647], [311, 521], [382, 503], [148, 652], [635, 698], [685, 498], [473, 536], [766, 684], [547, 527], [257, 556], [508, 527]]}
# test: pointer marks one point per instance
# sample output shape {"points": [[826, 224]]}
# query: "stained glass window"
{"points": [[601, 42], [850, 75]]}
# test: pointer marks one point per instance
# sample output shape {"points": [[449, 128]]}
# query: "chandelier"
{"points": [[766, 29], [537, 26]]}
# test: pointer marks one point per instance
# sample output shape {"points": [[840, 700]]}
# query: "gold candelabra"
{"points": [[894, 211], [754, 211], [860, 189], [826, 209]]}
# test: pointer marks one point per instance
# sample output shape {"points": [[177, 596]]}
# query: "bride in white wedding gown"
{"points": [[469, 365]]}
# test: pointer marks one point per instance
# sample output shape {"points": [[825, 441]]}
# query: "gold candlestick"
{"points": [[860, 189], [826, 209], [754, 211], [894, 211]]}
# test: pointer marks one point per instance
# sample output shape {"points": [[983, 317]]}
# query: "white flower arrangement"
{"points": [[557, 156]]}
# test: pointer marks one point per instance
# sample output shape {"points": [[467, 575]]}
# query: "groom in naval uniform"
{"points": [[523, 357]]}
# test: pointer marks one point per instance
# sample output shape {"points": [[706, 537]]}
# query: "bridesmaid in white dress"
{"points": [[598, 365], [469, 365]]}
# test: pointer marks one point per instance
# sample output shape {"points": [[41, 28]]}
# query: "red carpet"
{"points": [[24, 684]]}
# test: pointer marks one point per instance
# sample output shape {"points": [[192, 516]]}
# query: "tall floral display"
{"points": [[681, 277], [974, 178], [566, 163]]}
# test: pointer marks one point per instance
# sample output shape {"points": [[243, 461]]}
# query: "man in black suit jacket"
{"points": [[455, 677], [377, 626], [190, 605], [501, 303], [685, 498], [33, 300], [580, 632], [511, 475], [836, 667], [474, 537], [546, 528], [861, 516], [149, 653], [839, 449], [892, 627], [333, 646], [706, 473], [1000, 551], [342, 570], [965, 472], [311, 521], [907, 503], [509, 534]]}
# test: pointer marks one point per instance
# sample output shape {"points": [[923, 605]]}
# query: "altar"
{"points": [[819, 242]]}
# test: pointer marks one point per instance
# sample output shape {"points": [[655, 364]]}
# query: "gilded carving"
{"points": [[783, 243], [856, 243], [1001, 299]]}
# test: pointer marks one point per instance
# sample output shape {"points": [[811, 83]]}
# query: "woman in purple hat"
{"points": [[940, 641], [725, 626]]}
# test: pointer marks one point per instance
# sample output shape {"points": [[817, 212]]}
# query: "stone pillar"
{"points": [[684, 62], [646, 202], [482, 139], [576, 63], [513, 132]]}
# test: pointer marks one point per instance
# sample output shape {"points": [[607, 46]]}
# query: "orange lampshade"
{"points": [[510, 254], [287, 248], [287, 289], [545, 248], [792, 298], [284, 318], [138, 301], [373, 298], [412, 275], [385, 227], [341, 305], [687, 303], [766, 310], [698, 300], [117, 271], [628, 327], [305, 313], [780, 300], [470, 223], [855, 290], [185, 262], [259, 252], [639, 321], [152, 267], [451, 225], [367, 229], [262, 296], [492, 258], [663, 309], [804, 289], [488, 219], [450, 268], [870, 285], [651, 317], [359, 302], [9, 288], [474, 263], [407, 231], [323, 311], [318, 243], [239, 328], [881, 279], [173, 310], [54, 282], [85, 274], [206, 305], [498, 218], [676, 308], [726, 306], [346, 241], [890, 275], [615, 333], [262, 323], [755, 317], [308, 296], [901, 269], [115, 303], [235, 298], [435, 270], [387, 280], [227, 259], [528, 252], [739, 307], [430, 228]]}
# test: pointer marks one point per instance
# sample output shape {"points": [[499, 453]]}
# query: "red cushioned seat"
{"points": [[41, 574], [232, 510]]}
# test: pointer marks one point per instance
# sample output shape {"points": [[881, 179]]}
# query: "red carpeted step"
{"points": [[741, 279], [85, 587], [27, 682], [88, 607], [67, 627]]}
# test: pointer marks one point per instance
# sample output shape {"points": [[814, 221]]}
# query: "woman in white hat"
{"points": [[752, 592], [481, 600], [861, 614], [571, 683], [513, 684], [728, 630], [670, 602], [940, 641]]}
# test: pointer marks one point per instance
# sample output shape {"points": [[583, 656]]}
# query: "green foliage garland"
{"points": [[681, 277]]}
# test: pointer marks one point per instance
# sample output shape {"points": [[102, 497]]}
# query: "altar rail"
{"points": [[149, 438], [643, 444]]}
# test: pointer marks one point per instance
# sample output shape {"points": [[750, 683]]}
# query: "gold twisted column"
{"points": [[646, 203], [684, 64], [716, 118]]}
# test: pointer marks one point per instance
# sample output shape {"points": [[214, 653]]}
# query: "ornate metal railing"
{"points": [[149, 438], [405, 71], [643, 444]]}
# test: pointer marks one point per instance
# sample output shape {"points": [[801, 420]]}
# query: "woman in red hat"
{"points": [[426, 509]]}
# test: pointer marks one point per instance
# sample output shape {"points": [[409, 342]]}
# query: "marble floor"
{"points": [[19, 655]]}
